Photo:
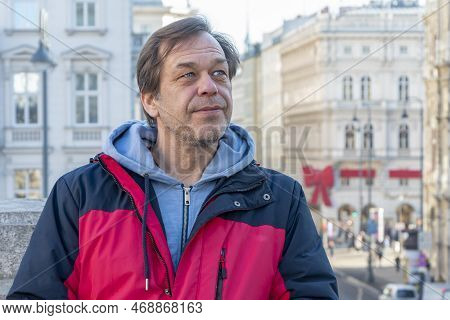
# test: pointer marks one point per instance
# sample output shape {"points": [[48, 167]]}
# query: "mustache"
{"points": [[199, 103]]}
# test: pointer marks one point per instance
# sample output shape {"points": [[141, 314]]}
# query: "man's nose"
{"points": [[206, 86]]}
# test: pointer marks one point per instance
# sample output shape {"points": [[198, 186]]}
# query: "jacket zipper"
{"points": [[215, 195], [221, 275], [187, 202], [155, 248]]}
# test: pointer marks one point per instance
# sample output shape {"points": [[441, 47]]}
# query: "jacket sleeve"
{"points": [[304, 267], [50, 256]]}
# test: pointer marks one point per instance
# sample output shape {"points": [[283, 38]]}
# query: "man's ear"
{"points": [[150, 104]]}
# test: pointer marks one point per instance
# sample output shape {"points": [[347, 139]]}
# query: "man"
{"points": [[177, 208]]}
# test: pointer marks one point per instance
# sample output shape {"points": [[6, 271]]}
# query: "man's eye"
{"points": [[188, 75], [219, 73]]}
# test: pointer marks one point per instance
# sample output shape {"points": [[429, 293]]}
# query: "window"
{"points": [[365, 88], [403, 137], [347, 88], [85, 15], [26, 14], [27, 183], [403, 50], [405, 293], [365, 49], [403, 182], [369, 181], [368, 137], [349, 137], [86, 98], [345, 182], [25, 86], [347, 50], [403, 89]]}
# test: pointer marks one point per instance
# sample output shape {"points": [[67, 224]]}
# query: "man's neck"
{"points": [[184, 162]]}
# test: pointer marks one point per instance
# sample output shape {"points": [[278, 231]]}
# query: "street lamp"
{"points": [[370, 275], [356, 124], [43, 62], [404, 118], [357, 127]]}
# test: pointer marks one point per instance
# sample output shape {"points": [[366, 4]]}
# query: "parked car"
{"points": [[399, 291]]}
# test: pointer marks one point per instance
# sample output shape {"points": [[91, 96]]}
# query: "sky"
{"points": [[230, 16]]}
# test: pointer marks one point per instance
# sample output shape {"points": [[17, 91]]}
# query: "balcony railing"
{"points": [[89, 137], [23, 137]]}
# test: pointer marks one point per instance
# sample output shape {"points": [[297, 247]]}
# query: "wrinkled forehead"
{"points": [[201, 42]]}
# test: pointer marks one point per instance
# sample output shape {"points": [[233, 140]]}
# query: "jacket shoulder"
{"points": [[94, 189], [87, 170], [281, 182]]}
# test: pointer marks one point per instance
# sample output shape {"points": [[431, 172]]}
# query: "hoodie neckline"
{"points": [[129, 145]]}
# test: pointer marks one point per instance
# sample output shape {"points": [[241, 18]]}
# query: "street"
{"points": [[349, 289], [350, 267]]}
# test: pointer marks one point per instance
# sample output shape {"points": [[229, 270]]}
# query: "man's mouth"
{"points": [[209, 109]]}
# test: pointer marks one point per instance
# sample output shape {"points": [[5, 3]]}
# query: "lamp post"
{"points": [[43, 62], [370, 275], [404, 117], [355, 121], [356, 124]]}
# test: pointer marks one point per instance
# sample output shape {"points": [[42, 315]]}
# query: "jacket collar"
{"points": [[246, 190]]}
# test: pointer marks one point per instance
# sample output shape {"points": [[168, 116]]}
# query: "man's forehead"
{"points": [[197, 44]]}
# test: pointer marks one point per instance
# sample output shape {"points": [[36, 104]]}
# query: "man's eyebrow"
{"points": [[192, 65]]}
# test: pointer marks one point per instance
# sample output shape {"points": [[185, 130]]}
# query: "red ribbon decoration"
{"points": [[405, 174], [322, 181]]}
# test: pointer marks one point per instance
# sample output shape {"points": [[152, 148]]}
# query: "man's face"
{"points": [[194, 100]]}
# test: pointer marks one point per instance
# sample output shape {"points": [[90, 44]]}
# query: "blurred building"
{"points": [[91, 90], [88, 91], [316, 74], [436, 156]]}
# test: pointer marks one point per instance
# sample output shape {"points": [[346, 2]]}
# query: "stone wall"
{"points": [[17, 221]]}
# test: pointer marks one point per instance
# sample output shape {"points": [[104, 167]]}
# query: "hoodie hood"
{"points": [[129, 145]]}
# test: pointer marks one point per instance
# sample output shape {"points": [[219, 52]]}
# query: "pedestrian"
{"points": [[359, 243], [176, 207], [351, 242], [397, 263], [379, 252], [331, 247], [422, 260]]}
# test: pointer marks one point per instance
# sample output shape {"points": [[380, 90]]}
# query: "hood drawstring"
{"points": [[144, 231]]}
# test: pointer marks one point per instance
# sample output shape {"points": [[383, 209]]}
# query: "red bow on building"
{"points": [[322, 181]]}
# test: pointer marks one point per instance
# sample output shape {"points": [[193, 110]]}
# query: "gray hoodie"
{"points": [[128, 144]]}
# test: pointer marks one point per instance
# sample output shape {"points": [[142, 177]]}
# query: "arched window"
{"points": [[368, 137], [349, 137], [365, 88], [347, 88], [403, 135], [403, 88]]}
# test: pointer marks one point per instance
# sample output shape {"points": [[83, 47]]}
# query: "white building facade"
{"points": [[335, 68], [89, 89]]}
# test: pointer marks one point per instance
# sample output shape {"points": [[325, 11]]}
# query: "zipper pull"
{"points": [[187, 196], [222, 269]]}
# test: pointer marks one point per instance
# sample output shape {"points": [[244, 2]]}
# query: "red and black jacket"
{"points": [[254, 238]]}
